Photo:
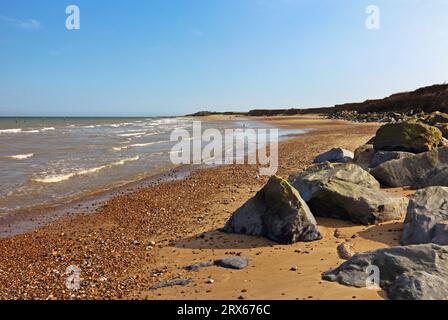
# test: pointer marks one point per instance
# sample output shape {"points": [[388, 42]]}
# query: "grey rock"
{"points": [[418, 272], [315, 177], [384, 156], [440, 235], [236, 263], [335, 155], [345, 200], [436, 177], [364, 155], [199, 266], [426, 217], [418, 285], [277, 212], [408, 171], [171, 283]]}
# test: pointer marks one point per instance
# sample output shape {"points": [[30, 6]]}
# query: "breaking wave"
{"points": [[21, 156], [66, 176], [134, 134], [137, 145], [10, 131]]}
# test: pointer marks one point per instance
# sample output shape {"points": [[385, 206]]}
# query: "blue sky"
{"points": [[159, 57]]}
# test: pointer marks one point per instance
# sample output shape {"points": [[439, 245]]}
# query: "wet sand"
{"points": [[114, 246], [30, 219]]}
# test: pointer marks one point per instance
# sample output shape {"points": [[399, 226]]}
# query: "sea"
{"points": [[47, 161]]}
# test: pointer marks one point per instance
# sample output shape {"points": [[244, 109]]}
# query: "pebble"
{"points": [[345, 251], [338, 234], [210, 281]]}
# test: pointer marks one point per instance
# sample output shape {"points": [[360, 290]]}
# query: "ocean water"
{"points": [[46, 161]]}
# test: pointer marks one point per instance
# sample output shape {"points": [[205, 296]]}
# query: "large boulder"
{"points": [[335, 155], [384, 156], [277, 212], [364, 155], [348, 201], [315, 177], [436, 177], [417, 272], [427, 217], [408, 171], [407, 136]]}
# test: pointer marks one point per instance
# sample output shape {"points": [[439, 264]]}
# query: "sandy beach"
{"points": [[148, 234]]}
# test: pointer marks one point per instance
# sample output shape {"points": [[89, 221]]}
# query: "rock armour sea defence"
{"points": [[346, 191], [409, 171]]}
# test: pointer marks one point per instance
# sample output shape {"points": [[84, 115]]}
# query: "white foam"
{"points": [[137, 145], [47, 129], [66, 176], [4, 131], [21, 156], [10, 131], [135, 134]]}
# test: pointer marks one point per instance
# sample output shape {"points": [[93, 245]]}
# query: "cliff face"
{"points": [[287, 112], [427, 99]]}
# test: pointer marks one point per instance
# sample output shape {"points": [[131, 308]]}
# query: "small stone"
{"points": [[294, 268], [338, 234], [346, 251], [210, 281]]}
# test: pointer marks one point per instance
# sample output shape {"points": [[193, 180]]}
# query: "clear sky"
{"points": [[159, 57]]}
